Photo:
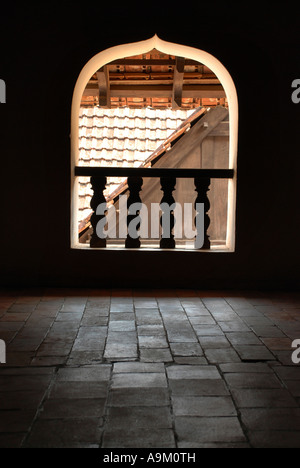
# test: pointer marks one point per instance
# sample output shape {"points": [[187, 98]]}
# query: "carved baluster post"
{"points": [[98, 186], [134, 206], [167, 219], [202, 188]]}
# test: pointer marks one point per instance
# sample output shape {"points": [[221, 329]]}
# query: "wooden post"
{"points": [[98, 185], [178, 83], [202, 188], [167, 186], [104, 87], [135, 186]]}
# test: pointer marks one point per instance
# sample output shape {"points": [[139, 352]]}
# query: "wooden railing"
{"points": [[168, 177]]}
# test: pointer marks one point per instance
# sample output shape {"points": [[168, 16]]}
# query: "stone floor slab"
{"points": [[193, 372], [140, 380], [136, 439], [203, 406], [198, 430]]}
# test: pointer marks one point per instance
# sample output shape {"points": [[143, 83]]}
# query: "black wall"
{"points": [[44, 48]]}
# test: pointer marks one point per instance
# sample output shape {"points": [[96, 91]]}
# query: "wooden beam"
{"points": [[104, 87], [84, 171], [178, 83], [150, 62], [144, 91]]}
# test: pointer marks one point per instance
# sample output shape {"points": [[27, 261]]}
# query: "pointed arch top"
{"points": [[143, 47]]}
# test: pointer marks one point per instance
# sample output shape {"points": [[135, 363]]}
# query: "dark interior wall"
{"points": [[44, 48]]}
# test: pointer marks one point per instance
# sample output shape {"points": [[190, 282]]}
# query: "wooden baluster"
{"points": [[202, 188], [135, 186], [167, 186], [98, 186]]}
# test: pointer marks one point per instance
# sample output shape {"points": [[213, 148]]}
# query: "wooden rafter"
{"points": [[145, 91], [178, 83], [104, 87]]}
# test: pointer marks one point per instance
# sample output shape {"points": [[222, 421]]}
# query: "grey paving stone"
{"points": [[79, 390], [294, 387], [243, 338], [93, 321], [278, 343], [203, 406], [24, 344], [135, 438], [14, 317], [140, 380], [143, 417], [85, 374], [218, 356], [193, 372], [11, 440], [208, 330], [275, 439], [190, 360], [27, 371], [199, 430], [73, 408], [148, 342], [86, 344], [246, 367], [15, 308], [202, 320], [49, 349], [271, 419], [182, 337], [151, 330], [92, 333], [95, 311], [197, 311], [127, 397], [288, 372], [121, 316], [156, 355], [85, 358], [122, 326], [248, 380], [234, 326], [21, 400], [254, 353], [248, 312], [16, 420], [15, 383], [48, 361], [263, 398], [213, 342], [138, 367], [70, 317], [258, 321], [148, 320], [145, 304], [118, 351], [186, 349], [215, 445], [72, 308], [229, 316], [68, 433], [115, 337], [11, 326], [116, 308], [263, 331], [19, 359]]}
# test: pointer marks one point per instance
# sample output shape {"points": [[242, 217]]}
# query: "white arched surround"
{"points": [[143, 47]]}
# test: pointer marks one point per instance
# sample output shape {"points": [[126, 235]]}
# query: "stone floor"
{"points": [[143, 369]]}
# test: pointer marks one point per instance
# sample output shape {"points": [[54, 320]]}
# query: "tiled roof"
{"points": [[122, 137]]}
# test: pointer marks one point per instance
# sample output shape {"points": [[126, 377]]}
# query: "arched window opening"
{"points": [[159, 110]]}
